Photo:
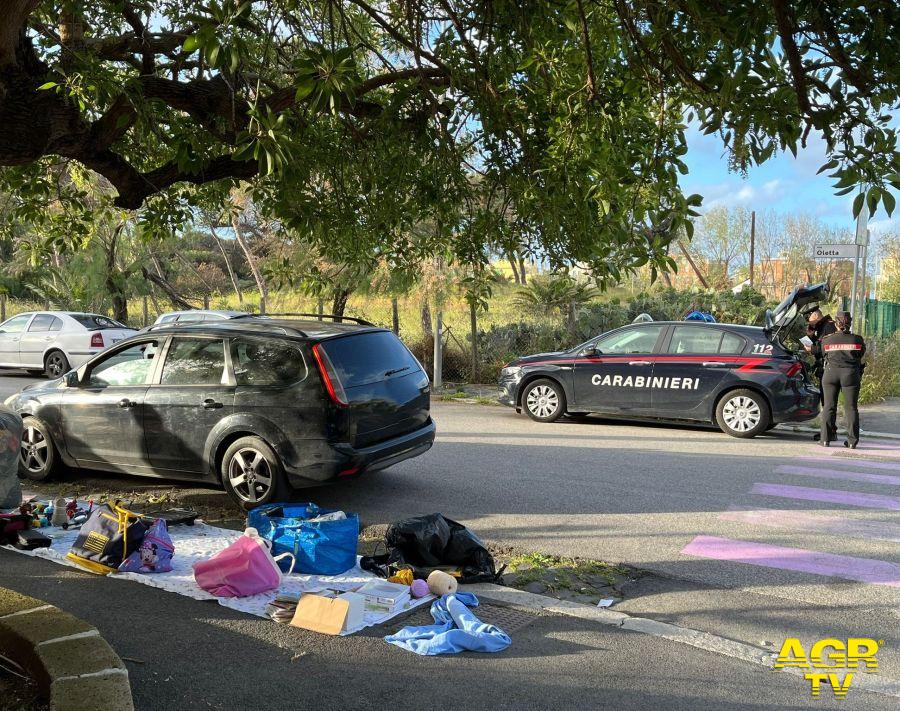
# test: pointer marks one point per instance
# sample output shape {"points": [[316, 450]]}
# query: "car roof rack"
{"points": [[224, 324], [318, 317]]}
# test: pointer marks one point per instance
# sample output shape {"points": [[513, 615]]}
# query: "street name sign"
{"points": [[836, 251]]}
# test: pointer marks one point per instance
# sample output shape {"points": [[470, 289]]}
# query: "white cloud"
{"points": [[771, 187]]}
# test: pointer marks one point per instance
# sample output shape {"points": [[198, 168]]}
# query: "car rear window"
{"points": [[95, 322], [369, 357]]}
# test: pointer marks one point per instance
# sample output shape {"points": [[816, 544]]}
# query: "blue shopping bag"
{"points": [[319, 547]]}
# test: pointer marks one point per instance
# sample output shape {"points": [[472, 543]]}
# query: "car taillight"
{"points": [[791, 369], [332, 384], [97, 340]]}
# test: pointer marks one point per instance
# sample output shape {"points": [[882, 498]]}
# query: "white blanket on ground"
{"points": [[202, 541]]}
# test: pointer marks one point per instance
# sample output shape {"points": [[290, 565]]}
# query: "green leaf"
{"points": [[48, 85], [858, 203], [889, 202], [192, 43], [872, 199]]}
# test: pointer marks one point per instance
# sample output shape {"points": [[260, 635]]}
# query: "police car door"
{"points": [[613, 373], [690, 369]]}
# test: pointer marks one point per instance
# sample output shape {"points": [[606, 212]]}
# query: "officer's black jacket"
{"points": [[842, 350]]}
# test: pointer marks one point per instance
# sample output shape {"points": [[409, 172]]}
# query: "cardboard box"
{"points": [[329, 615]]}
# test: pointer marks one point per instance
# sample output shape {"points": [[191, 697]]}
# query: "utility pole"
{"points": [[752, 243]]}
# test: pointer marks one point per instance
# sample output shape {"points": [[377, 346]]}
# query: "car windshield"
{"points": [[96, 322]]}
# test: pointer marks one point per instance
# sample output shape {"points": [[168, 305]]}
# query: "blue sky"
{"points": [[783, 183]]}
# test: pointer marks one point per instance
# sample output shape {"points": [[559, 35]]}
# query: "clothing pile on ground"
{"points": [[295, 563]]}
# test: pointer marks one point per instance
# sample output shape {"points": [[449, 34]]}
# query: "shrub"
{"points": [[881, 379]]}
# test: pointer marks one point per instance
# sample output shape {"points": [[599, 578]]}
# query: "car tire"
{"points": [[743, 413], [544, 400], [56, 364], [252, 473], [37, 453]]}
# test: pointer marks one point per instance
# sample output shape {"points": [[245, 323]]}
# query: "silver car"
{"points": [[54, 342], [197, 315]]}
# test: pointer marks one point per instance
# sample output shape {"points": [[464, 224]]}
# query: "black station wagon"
{"points": [[258, 404]]}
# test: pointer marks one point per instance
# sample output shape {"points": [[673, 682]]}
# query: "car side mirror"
{"points": [[72, 379]]}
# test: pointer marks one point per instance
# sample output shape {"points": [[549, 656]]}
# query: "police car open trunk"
{"points": [[800, 302], [377, 383]]}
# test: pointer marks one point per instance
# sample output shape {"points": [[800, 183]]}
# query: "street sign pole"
{"points": [[862, 239]]}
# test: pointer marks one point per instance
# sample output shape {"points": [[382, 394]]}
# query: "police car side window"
{"points": [[732, 344], [631, 340], [695, 339]]}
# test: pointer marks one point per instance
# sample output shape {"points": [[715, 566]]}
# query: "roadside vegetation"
{"points": [[881, 379]]}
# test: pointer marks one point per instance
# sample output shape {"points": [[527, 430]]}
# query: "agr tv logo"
{"points": [[831, 654]]}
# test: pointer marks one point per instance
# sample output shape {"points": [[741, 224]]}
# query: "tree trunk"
{"points": [[339, 301], [427, 337], [114, 280], [687, 255], [251, 261], [522, 274], [231, 274], [514, 266]]}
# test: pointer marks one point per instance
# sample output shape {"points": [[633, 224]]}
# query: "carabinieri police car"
{"points": [[741, 378]]}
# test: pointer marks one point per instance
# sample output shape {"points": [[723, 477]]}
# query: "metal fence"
{"points": [[881, 318]]}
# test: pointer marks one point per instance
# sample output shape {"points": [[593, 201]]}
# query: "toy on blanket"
{"points": [[441, 583]]}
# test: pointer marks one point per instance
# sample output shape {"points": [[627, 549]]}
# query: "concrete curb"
{"points": [[701, 640], [72, 664]]}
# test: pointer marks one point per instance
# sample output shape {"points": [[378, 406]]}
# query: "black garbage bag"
{"points": [[427, 542]]}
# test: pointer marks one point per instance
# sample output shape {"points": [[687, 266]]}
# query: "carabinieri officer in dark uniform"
{"points": [[843, 352]]}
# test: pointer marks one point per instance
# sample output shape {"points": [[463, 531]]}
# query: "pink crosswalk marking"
{"points": [[849, 461], [823, 473], [863, 570], [832, 496], [814, 523]]}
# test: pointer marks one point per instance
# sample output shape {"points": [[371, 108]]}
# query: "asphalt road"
{"points": [[639, 494]]}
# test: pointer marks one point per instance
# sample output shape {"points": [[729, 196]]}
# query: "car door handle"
{"points": [[49, 338], [210, 404], [125, 402], [639, 362], [713, 364]]}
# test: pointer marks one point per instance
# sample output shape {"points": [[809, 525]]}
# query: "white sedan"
{"points": [[54, 342]]}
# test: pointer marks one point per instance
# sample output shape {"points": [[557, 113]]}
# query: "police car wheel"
{"points": [[743, 413], [544, 401]]}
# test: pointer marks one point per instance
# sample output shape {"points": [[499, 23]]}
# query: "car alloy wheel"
{"points": [[741, 413], [249, 475], [542, 401], [34, 450], [57, 364]]}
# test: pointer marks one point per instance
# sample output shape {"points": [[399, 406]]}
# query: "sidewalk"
{"points": [[881, 417]]}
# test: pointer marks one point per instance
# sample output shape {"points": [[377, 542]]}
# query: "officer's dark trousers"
{"points": [[834, 381]]}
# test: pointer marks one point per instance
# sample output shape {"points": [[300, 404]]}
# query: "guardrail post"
{"points": [[473, 323]]}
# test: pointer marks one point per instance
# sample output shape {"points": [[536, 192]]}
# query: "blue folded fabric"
{"points": [[456, 629]]}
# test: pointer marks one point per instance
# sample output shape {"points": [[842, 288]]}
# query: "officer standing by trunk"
{"points": [[842, 352], [818, 326]]}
